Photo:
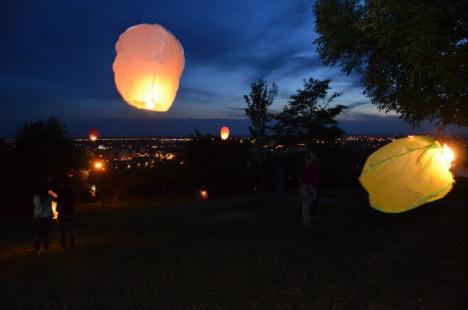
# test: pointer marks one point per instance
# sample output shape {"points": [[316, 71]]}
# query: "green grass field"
{"points": [[244, 252]]}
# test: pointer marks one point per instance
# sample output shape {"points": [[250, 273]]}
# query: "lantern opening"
{"points": [[448, 156]]}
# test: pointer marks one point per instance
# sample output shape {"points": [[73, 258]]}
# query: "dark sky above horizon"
{"points": [[56, 60]]}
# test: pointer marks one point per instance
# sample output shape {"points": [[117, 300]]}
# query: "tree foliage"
{"points": [[413, 55], [44, 149], [308, 113], [260, 98]]}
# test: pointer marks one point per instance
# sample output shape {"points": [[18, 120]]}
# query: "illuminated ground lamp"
{"points": [[408, 173], [224, 133], [93, 134], [148, 66], [203, 194]]}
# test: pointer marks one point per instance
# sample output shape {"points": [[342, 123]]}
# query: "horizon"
{"points": [[140, 128]]}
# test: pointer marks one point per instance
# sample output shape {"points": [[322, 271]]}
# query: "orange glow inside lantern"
{"points": [[203, 194], [224, 133], [148, 66]]}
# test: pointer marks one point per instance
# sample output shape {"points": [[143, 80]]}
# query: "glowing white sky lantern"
{"points": [[224, 133], [148, 66], [408, 173]]}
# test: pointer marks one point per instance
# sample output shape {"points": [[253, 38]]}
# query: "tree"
{"points": [[44, 149], [412, 55], [260, 98], [308, 113]]}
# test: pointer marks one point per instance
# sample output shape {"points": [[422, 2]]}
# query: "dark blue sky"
{"points": [[56, 59]]}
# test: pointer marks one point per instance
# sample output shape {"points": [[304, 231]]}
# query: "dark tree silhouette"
{"points": [[308, 113], [260, 98], [413, 55], [44, 149]]}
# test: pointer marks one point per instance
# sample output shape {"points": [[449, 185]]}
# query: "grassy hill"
{"points": [[244, 252]]}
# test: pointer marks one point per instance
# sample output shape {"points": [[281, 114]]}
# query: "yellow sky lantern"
{"points": [[224, 133], [148, 66], [408, 173]]}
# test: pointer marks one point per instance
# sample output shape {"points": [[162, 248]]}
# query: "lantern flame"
{"points": [[448, 156]]}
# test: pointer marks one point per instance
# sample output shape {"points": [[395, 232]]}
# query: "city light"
{"points": [[99, 165]]}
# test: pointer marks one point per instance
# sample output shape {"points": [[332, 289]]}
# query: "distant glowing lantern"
{"points": [[148, 66], [224, 133], [408, 173], [203, 194], [93, 134]]}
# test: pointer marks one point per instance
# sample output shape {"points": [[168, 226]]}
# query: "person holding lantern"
{"points": [[308, 183], [42, 202]]}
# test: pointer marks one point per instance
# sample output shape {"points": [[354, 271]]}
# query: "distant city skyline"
{"points": [[56, 60], [238, 127]]}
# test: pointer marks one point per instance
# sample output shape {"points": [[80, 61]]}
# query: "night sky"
{"points": [[56, 60]]}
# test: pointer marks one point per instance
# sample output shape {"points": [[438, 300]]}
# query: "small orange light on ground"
{"points": [[203, 194]]}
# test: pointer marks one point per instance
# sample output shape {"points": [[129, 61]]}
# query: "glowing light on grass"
{"points": [[203, 194]]}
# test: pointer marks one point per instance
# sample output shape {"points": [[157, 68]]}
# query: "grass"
{"points": [[244, 252]]}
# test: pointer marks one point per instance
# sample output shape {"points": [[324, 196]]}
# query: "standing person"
{"points": [[308, 184], [42, 217], [278, 177], [66, 199]]}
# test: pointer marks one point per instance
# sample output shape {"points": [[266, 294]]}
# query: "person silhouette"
{"points": [[66, 200], [42, 217], [308, 183]]}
